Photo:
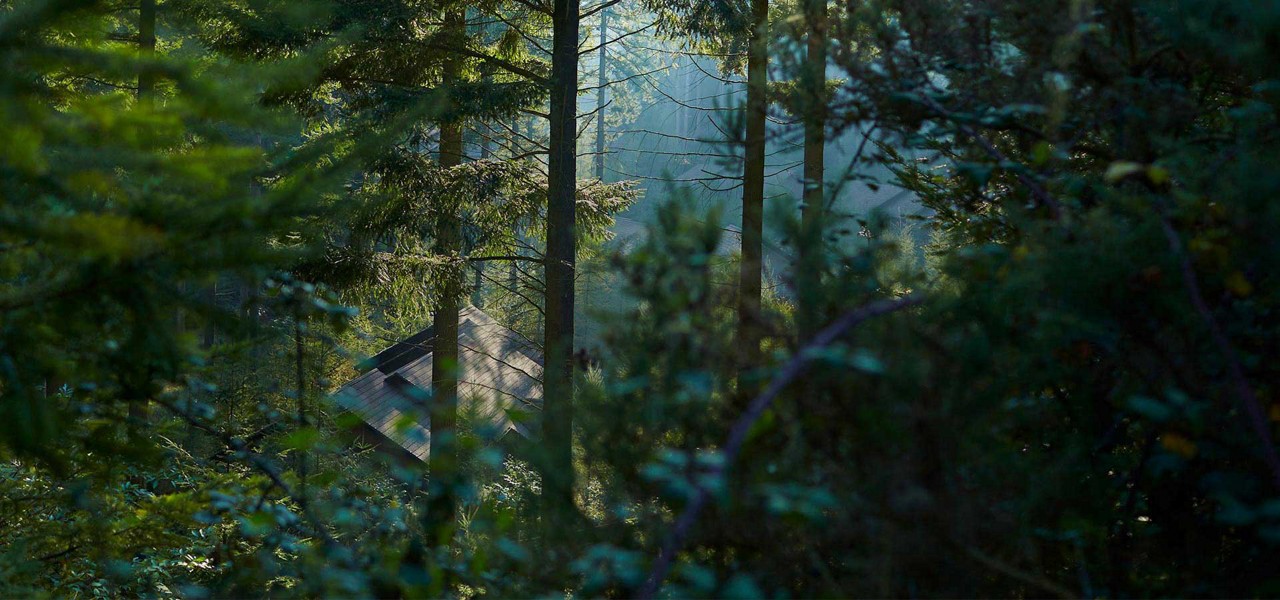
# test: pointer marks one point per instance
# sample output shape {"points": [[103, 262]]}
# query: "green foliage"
{"points": [[1083, 403], [115, 211]]}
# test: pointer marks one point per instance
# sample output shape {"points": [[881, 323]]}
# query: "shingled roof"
{"points": [[499, 373]]}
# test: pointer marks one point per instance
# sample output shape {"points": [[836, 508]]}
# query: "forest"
{"points": [[639, 298]]}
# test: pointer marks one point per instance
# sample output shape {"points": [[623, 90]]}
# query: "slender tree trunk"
{"points": [[513, 274], [139, 411], [146, 47], [486, 152], [814, 105], [557, 408], [210, 336], [443, 461], [749, 277], [300, 374], [602, 94]]}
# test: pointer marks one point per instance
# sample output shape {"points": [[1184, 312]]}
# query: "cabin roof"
{"points": [[500, 374]]}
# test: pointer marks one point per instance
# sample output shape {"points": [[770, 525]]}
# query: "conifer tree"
{"points": [[562, 176], [813, 106], [736, 28], [116, 204], [445, 366]]}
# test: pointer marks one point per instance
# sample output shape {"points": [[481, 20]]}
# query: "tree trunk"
{"points": [[486, 152], [443, 461], [139, 411], [749, 277], [557, 408], [814, 106], [301, 387], [146, 47], [602, 94]]}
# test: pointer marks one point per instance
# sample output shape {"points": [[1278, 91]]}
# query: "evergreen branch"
{"points": [[258, 461], [501, 63], [1033, 186], [498, 258], [535, 6]]}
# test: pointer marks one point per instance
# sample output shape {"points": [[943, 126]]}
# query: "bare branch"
{"points": [[597, 109], [618, 39], [595, 9], [505, 257], [623, 80]]}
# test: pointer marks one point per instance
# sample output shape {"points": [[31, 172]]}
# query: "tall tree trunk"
{"points": [[486, 152], [443, 461], [209, 336], [749, 277], [602, 93], [139, 410], [146, 47], [557, 408], [814, 105], [301, 387]]}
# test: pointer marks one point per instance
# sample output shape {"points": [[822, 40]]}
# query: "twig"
{"points": [[1034, 187], [597, 8], [258, 461], [618, 39], [504, 257], [56, 555], [1015, 573]]}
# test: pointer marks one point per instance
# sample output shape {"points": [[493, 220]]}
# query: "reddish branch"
{"points": [[738, 434], [1235, 373]]}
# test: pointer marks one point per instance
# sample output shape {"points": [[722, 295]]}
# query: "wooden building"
{"points": [[500, 377]]}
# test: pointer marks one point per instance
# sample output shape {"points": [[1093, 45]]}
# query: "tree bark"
{"points": [[301, 383], [557, 408], [602, 93], [139, 410], [749, 276], [146, 47], [814, 106], [486, 152], [443, 461]]}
